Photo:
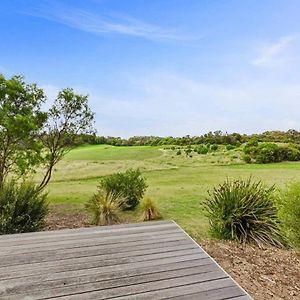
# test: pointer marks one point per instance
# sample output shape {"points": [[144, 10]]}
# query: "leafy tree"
{"points": [[21, 119], [69, 116]]}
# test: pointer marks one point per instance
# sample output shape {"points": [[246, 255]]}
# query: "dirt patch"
{"points": [[264, 273], [65, 216]]}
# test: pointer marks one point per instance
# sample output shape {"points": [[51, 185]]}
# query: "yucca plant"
{"points": [[105, 207], [245, 211], [149, 210]]}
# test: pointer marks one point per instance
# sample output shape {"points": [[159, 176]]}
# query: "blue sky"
{"points": [[162, 67]]}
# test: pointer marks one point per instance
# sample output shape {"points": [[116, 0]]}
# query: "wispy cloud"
{"points": [[100, 24], [273, 54]]}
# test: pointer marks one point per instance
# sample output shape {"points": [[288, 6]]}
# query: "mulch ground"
{"points": [[264, 273]]}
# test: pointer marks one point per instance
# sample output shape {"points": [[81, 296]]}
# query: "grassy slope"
{"points": [[177, 183]]}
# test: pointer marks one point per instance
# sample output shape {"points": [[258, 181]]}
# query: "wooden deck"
{"points": [[154, 260]]}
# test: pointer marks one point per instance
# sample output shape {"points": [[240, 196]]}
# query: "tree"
{"points": [[69, 116], [21, 119], [30, 137]]}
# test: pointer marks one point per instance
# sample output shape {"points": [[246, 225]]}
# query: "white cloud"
{"points": [[99, 24], [169, 104], [274, 54]]}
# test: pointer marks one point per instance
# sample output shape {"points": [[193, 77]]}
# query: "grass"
{"points": [[178, 184]]}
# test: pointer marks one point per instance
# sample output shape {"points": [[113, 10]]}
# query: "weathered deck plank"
{"points": [[154, 260]]}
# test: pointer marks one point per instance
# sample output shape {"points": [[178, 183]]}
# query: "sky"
{"points": [[162, 67]]}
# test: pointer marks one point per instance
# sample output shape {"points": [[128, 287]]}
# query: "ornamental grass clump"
{"points": [[23, 207], [149, 210], [105, 207], [244, 211]]}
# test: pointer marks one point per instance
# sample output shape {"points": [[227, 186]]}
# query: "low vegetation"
{"points": [[23, 207], [245, 211], [129, 186], [289, 213], [150, 210], [105, 207]]}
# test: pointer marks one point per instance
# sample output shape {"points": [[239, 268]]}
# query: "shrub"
{"points": [[128, 185], [289, 213], [178, 152], [202, 149], [105, 207], [247, 158], [214, 147], [23, 208], [149, 209], [243, 211], [229, 147]]}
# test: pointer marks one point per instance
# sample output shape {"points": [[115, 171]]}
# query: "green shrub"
{"points": [[230, 147], [128, 185], [105, 207], [202, 149], [289, 213], [149, 210], [178, 152], [214, 147], [23, 208], [247, 158], [244, 211]]}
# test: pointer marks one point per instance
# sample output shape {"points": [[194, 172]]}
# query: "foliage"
{"points": [[247, 158], [230, 147], [30, 137], [69, 116], [178, 152], [289, 213], [214, 147], [23, 208], [21, 119], [244, 211], [202, 149], [129, 185], [270, 152], [149, 209], [105, 207]]}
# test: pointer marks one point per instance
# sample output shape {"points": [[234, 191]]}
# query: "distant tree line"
{"points": [[216, 137]]}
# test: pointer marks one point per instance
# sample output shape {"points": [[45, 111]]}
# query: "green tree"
{"points": [[69, 116], [21, 120]]}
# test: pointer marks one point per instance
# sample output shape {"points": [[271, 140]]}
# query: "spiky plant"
{"points": [[105, 207], [149, 210], [245, 211]]}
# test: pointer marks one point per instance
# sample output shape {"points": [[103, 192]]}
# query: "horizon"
{"points": [[162, 68]]}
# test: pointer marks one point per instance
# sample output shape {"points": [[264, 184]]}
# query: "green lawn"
{"points": [[178, 184]]}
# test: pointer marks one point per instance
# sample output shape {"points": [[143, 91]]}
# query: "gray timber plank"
{"points": [[113, 240], [86, 235], [103, 286], [63, 261], [94, 264], [83, 229], [203, 289], [29, 258], [40, 284], [99, 241], [153, 260], [167, 288], [215, 294]]}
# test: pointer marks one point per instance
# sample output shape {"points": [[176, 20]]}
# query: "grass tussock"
{"points": [[150, 210]]}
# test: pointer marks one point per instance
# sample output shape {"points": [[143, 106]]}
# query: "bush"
{"points": [[214, 147], [105, 207], [128, 185], [149, 209], [289, 213], [230, 147], [202, 149], [247, 158], [23, 208], [243, 211], [178, 152]]}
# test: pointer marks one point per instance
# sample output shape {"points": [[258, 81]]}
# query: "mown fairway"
{"points": [[178, 183]]}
